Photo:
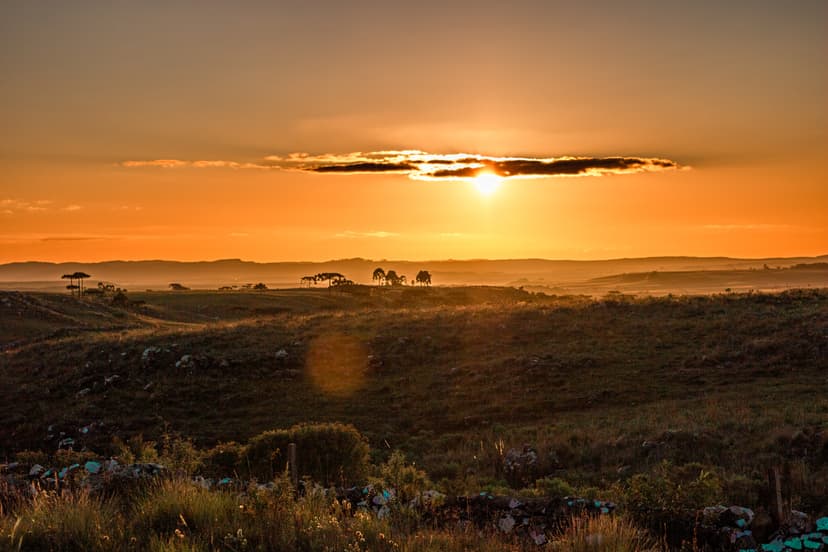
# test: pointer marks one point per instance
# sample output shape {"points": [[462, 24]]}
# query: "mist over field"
{"points": [[655, 275]]}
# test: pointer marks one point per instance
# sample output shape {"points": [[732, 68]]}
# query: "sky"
{"points": [[314, 130]]}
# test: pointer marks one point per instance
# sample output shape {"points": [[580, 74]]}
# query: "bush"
{"points": [[134, 450], [554, 487], [666, 500], [179, 455], [222, 460], [327, 453]]}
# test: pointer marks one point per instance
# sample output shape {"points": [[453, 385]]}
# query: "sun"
{"points": [[487, 183]]}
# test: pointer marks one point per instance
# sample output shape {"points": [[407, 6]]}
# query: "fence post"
{"points": [[775, 494], [294, 470]]}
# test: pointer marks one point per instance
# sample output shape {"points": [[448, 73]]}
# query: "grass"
{"points": [[604, 389], [177, 515]]}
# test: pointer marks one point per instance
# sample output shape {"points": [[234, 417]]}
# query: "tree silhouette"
{"points": [[71, 287], [175, 286], [379, 276], [393, 279], [330, 277], [308, 280], [423, 278], [79, 276]]}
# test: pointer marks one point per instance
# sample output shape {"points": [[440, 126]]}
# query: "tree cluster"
{"points": [[73, 287], [391, 278], [333, 278]]}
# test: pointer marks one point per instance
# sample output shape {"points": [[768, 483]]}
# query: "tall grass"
{"points": [[176, 515], [604, 533]]}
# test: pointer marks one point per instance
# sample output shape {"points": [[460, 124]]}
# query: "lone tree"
{"points": [[79, 276], [423, 278], [71, 287], [379, 276]]}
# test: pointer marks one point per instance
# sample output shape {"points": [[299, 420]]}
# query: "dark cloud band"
{"points": [[422, 165]]}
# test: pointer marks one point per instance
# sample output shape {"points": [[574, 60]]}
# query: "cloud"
{"points": [[13, 206], [376, 234], [421, 165], [748, 226], [201, 164]]}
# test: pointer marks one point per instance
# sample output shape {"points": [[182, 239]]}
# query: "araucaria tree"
{"points": [[79, 276], [72, 287]]}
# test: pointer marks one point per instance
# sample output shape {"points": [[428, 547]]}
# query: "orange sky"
{"points": [[734, 95]]}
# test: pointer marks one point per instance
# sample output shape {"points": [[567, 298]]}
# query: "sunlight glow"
{"points": [[487, 183]]}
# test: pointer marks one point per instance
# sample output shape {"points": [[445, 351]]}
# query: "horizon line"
{"points": [[477, 259]]}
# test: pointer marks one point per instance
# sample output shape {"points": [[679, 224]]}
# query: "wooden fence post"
{"points": [[775, 494], [294, 470]]}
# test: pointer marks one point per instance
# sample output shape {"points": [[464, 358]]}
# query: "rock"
{"points": [[83, 392], [736, 516], [281, 354], [92, 467], [798, 522], [36, 470], [111, 379], [520, 465], [538, 536], [506, 524], [186, 362], [150, 353]]}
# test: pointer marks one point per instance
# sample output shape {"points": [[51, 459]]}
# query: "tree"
{"points": [[330, 277], [310, 280], [175, 286], [379, 276], [71, 287], [393, 279], [260, 287], [79, 276], [423, 278]]}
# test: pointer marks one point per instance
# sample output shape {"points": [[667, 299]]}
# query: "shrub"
{"points": [[408, 481], [327, 453], [222, 460], [134, 450], [179, 455], [554, 487]]}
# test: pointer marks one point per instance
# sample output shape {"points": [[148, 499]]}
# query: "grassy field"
{"points": [[604, 389]]}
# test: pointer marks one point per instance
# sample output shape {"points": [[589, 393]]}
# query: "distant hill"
{"points": [[158, 274]]}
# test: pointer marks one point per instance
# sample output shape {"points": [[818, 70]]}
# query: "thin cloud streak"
{"points": [[421, 165], [377, 234]]}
